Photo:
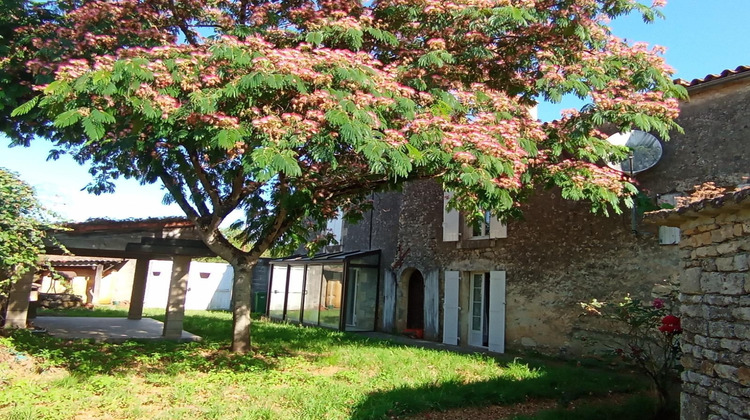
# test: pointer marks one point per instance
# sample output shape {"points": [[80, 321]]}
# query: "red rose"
{"points": [[657, 303], [670, 324]]}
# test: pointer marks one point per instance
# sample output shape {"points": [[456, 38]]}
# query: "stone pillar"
{"points": [[18, 301], [98, 270], [176, 300], [138, 292]]}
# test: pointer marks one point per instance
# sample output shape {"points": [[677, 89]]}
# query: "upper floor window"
{"points": [[488, 228], [481, 228], [334, 226]]}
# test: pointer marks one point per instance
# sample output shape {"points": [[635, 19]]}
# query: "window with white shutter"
{"points": [[490, 227], [498, 229], [450, 220]]}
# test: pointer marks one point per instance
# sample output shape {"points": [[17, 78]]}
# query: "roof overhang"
{"points": [[326, 258]]}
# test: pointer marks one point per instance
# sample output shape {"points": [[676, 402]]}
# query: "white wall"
{"points": [[209, 285]]}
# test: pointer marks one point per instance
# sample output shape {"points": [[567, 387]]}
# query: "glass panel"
{"points": [[312, 295], [294, 298], [481, 228], [278, 292], [361, 297], [477, 280], [476, 229], [373, 259], [476, 302], [351, 301], [330, 295]]}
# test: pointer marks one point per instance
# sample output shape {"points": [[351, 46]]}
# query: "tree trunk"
{"points": [[241, 296], [666, 408]]}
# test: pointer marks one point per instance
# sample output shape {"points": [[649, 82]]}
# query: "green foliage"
{"points": [[24, 226], [644, 203]]}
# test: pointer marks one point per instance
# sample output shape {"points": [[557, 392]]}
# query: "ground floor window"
{"points": [[484, 295], [480, 310]]}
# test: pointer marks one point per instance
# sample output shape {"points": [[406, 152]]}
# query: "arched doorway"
{"points": [[415, 302]]}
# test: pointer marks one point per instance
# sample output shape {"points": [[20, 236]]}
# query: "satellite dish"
{"points": [[645, 147]]}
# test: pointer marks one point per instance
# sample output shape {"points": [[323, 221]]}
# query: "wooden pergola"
{"points": [[142, 240]]}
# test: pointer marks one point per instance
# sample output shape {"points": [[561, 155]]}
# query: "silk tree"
{"points": [[293, 111]]}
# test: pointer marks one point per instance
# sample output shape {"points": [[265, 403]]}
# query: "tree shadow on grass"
{"points": [[565, 386], [271, 343]]}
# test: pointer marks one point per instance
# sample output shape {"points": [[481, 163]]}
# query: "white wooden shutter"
{"points": [[534, 112], [450, 308], [497, 312], [450, 220], [498, 229], [668, 235]]}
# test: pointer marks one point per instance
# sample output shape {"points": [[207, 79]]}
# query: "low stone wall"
{"points": [[715, 306]]}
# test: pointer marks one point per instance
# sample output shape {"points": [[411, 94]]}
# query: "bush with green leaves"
{"points": [[650, 338], [24, 226]]}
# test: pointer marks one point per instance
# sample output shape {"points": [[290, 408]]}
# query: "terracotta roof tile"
{"points": [[129, 224], [712, 77], [739, 198], [75, 260]]}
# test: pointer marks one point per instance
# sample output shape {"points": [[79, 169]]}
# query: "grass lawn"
{"points": [[294, 373]]}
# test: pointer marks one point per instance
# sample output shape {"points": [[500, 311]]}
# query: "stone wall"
{"points": [[715, 306]]}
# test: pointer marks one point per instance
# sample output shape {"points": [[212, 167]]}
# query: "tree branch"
{"points": [[195, 192], [190, 36], [176, 190], [205, 182], [282, 222], [242, 12]]}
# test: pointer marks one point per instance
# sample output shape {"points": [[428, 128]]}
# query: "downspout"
{"points": [[372, 214], [634, 211]]}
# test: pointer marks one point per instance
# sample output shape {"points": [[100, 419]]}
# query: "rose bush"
{"points": [[649, 338]]}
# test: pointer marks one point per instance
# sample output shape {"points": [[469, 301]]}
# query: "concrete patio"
{"points": [[106, 329]]}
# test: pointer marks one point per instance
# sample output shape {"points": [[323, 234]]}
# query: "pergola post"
{"points": [[138, 293], [98, 271], [18, 301], [176, 301]]}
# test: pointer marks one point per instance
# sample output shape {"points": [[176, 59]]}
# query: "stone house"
{"points": [[518, 285]]}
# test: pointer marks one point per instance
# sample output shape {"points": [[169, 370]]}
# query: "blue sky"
{"points": [[701, 36]]}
